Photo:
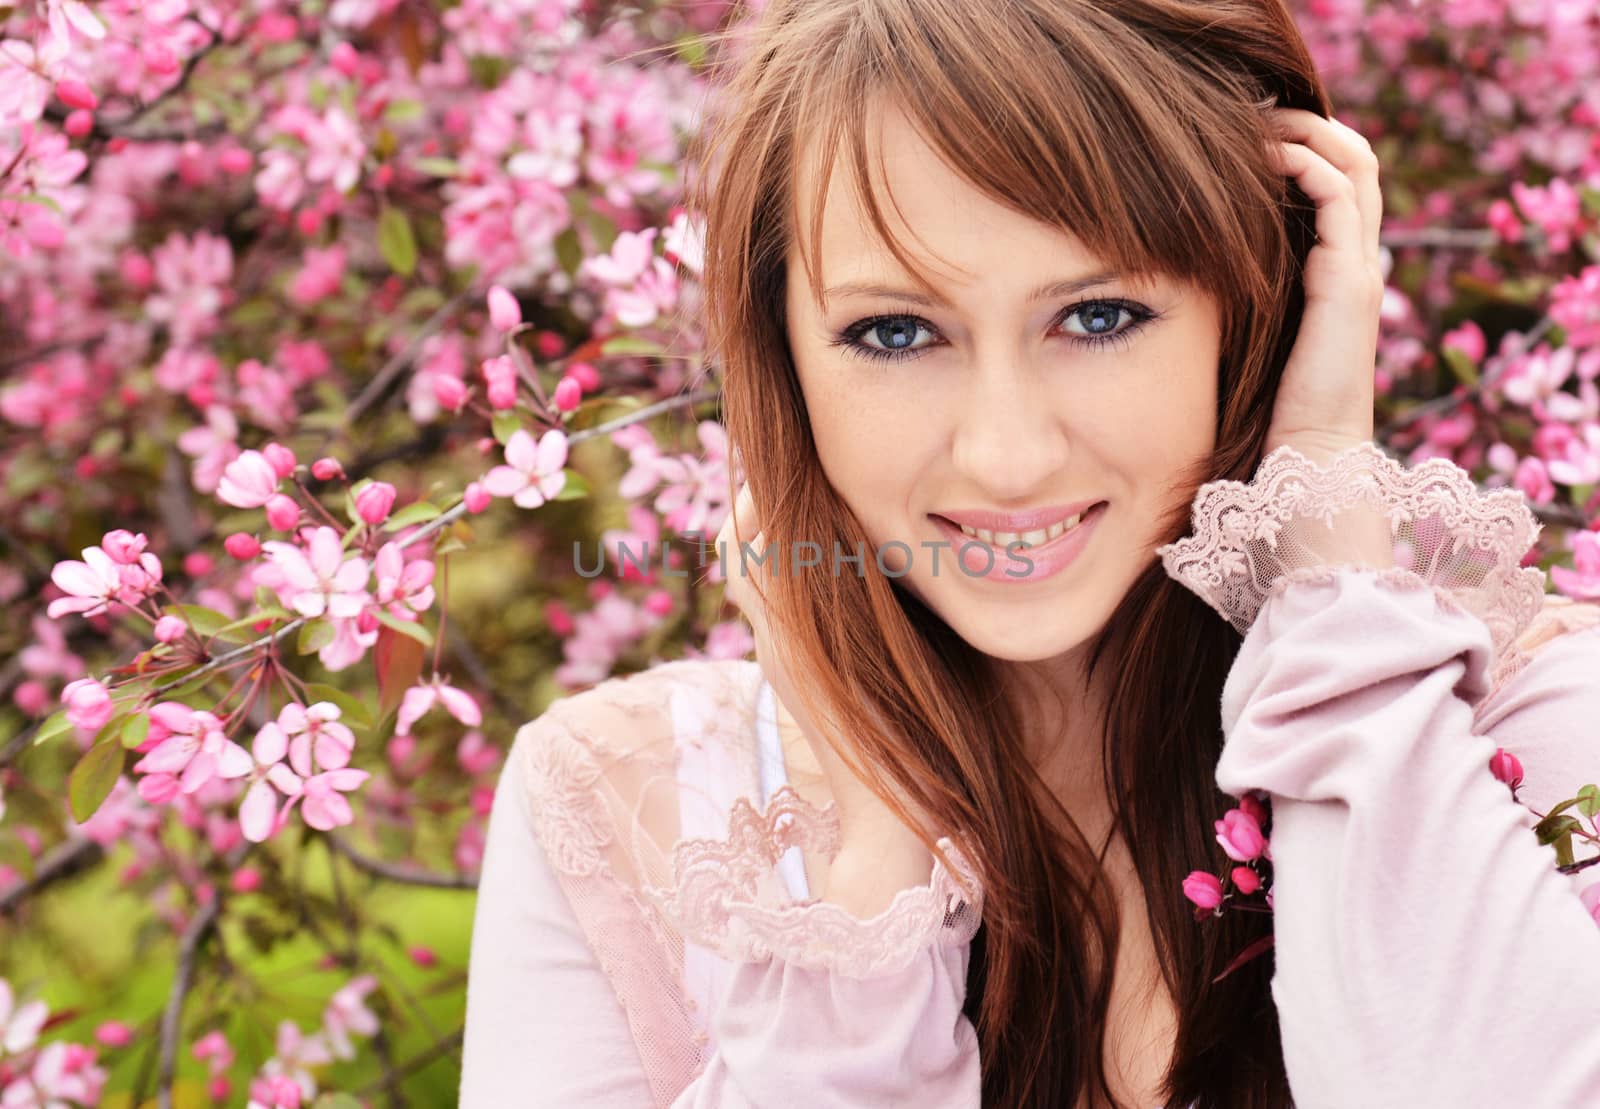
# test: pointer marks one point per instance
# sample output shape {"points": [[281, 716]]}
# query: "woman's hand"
{"points": [[868, 827], [1325, 399]]}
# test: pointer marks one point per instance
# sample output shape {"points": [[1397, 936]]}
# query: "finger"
{"points": [[1339, 224], [1348, 151]]}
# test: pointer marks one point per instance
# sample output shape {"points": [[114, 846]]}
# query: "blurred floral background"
{"points": [[326, 329]]}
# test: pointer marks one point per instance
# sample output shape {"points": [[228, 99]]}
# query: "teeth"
{"points": [[1003, 539]]}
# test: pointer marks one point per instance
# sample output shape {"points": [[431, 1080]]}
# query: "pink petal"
{"points": [[521, 451], [502, 481], [461, 705], [257, 811]]}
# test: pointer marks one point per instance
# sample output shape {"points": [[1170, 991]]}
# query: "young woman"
{"points": [[1095, 289]]}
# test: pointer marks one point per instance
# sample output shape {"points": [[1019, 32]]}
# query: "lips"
{"points": [[1018, 523]]}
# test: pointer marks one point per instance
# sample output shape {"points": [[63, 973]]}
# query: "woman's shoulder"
{"points": [[603, 769], [625, 715]]}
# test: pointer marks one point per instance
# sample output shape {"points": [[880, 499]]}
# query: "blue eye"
{"points": [[897, 333]]}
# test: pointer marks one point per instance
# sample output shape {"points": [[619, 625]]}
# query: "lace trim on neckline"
{"points": [[727, 897]]}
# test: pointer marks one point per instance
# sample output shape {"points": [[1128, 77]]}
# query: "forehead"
{"points": [[953, 232]]}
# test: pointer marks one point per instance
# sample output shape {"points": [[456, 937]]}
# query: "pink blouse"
{"points": [[644, 935]]}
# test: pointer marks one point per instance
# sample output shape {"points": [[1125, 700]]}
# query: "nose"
{"points": [[1010, 440]]}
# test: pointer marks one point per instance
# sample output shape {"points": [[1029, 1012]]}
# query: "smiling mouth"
{"points": [[1028, 540]]}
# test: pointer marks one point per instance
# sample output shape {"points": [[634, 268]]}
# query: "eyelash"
{"points": [[848, 339]]}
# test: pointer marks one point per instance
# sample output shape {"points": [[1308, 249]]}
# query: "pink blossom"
{"points": [[1204, 890], [534, 473], [325, 805], [404, 588], [347, 1013], [1582, 583], [420, 699], [1579, 463], [249, 481], [170, 629], [320, 276], [1240, 836], [89, 704], [319, 580], [114, 1033], [19, 1024], [1554, 208], [336, 150], [194, 749], [1590, 897], [93, 584], [124, 547], [475, 754], [1534, 480], [191, 276], [1575, 305]]}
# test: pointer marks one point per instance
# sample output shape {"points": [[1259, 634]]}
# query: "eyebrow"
{"points": [[1048, 291]]}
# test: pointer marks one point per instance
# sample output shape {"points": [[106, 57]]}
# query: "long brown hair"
{"points": [[1139, 127]]}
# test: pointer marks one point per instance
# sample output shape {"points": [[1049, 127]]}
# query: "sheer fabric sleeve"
{"points": [[816, 1008], [1417, 919]]}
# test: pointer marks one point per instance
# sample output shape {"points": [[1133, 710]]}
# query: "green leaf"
{"points": [[631, 344], [54, 725], [569, 251], [405, 627], [314, 636], [206, 621], [396, 241], [404, 110], [575, 489], [1556, 826], [1589, 800], [336, 1101], [436, 167], [505, 425], [1464, 369], [351, 709], [135, 731], [598, 410], [418, 513], [91, 781]]}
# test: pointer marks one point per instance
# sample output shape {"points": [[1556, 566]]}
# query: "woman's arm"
{"points": [[1427, 951], [543, 1024], [820, 1008]]}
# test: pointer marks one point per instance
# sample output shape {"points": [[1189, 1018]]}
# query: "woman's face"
{"points": [[1012, 405]]}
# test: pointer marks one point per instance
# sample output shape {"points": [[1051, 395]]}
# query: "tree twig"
{"points": [[400, 872]]}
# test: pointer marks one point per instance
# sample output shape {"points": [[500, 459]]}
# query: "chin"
{"points": [[999, 636]]}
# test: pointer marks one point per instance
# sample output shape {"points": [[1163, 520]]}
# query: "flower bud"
{"points": [[1504, 766], [477, 498], [504, 311], [197, 564], [568, 394], [76, 94], [658, 603], [123, 546], [88, 704], [280, 458], [587, 377], [326, 469], [114, 1033], [450, 392], [1245, 880], [282, 513], [1205, 890], [374, 502], [1240, 835], [170, 629], [78, 124], [242, 546]]}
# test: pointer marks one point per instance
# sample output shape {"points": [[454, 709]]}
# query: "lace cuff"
{"points": [[727, 897], [1300, 521]]}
